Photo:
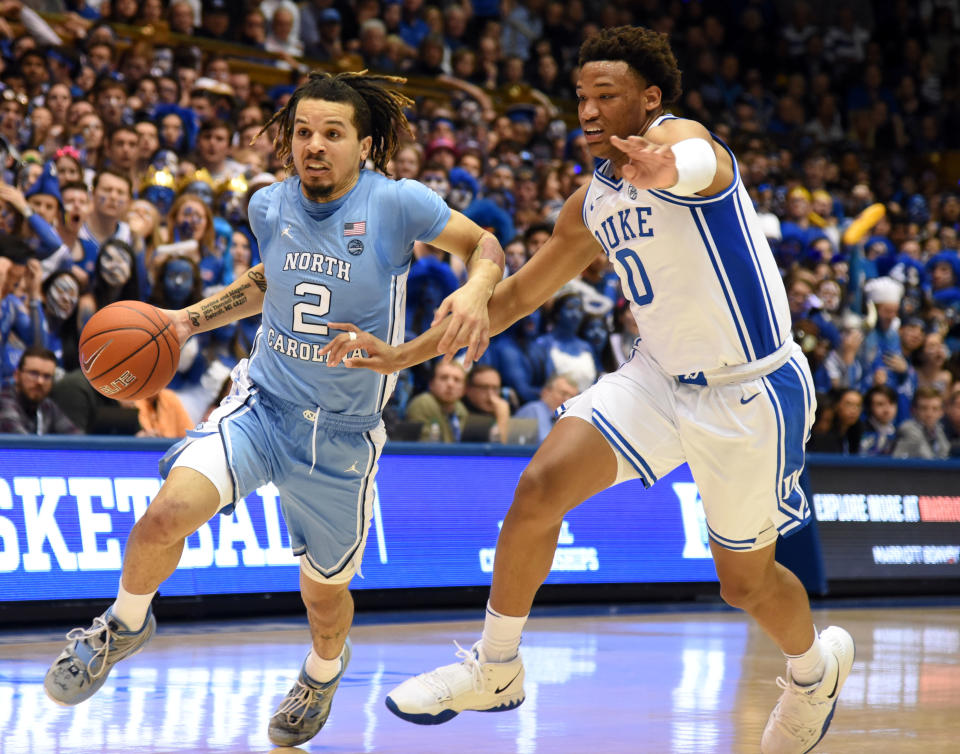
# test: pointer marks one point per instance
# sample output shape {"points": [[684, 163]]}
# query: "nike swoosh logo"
{"points": [[506, 686], [87, 364], [745, 401]]}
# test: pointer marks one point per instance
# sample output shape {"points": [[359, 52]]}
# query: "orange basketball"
{"points": [[128, 350]]}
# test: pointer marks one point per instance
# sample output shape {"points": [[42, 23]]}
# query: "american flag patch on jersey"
{"points": [[355, 229]]}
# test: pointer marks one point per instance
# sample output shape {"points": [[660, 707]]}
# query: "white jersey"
{"points": [[702, 282]]}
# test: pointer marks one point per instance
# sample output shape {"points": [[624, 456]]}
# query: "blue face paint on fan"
{"points": [[178, 282]]}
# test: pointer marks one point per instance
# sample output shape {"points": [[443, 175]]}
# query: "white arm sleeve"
{"points": [[696, 166]]}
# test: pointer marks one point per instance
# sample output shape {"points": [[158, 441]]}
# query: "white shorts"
{"points": [[744, 441]]}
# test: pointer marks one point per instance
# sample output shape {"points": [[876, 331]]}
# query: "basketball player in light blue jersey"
{"points": [[336, 242], [715, 380]]}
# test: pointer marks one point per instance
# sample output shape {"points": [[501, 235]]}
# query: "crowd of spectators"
{"points": [[127, 166]]}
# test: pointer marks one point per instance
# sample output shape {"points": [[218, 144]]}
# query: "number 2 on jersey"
{"points": [[320, 309], [630, 261]]}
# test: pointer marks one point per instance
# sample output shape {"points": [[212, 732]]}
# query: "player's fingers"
{"points": [[336, 349], [343, 326], [482, 345], [366, 362], [453, 334], [446, 306]]}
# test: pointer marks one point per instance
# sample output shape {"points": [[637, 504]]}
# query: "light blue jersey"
{"points": [[348, 266]]}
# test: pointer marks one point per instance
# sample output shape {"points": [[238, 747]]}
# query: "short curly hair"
{"points": [[646, 51]]}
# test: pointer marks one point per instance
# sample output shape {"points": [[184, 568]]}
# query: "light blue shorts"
{"points": [[322, 464]]}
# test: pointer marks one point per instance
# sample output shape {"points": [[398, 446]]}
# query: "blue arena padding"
{"points": [[801, 551]]}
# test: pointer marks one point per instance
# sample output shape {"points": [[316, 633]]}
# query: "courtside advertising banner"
{"points": [[66, 511]]}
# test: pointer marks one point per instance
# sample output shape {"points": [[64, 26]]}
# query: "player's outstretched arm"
{"points": [[565, 254], [678, 156], [242, 298], [466, 307]]}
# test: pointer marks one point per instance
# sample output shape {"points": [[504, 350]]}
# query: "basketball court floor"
{"points": [[602, 682]]}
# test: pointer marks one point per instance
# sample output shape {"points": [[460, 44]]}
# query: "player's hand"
{"points": [[649, 165], [469, 323], [381, 357]]}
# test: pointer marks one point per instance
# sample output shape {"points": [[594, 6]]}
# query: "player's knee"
{"points": [[536, 496], [326, 599], [743, 591], [168, 520]]}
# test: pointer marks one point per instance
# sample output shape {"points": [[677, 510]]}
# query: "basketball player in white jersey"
{"points": [[715, 380]]}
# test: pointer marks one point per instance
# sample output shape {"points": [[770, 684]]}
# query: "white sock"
{"points": [[501, 636], [807, 669], [131, 609], [321, 670]]}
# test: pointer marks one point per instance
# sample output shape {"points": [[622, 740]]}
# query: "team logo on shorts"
{"points": [[355, 247], [632, 191]]}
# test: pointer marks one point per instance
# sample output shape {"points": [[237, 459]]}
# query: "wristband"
{"points": [[696, 166]]}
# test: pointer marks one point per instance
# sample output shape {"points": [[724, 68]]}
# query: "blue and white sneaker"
{"points": [[473, 684], [803, 714], [306, 707], [82, 667]]}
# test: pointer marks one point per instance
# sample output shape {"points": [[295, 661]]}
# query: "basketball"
{"points": [[128, 350]]}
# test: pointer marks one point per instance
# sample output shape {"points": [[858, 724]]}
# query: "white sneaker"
{"points": [[803, 714], [435, 697]]}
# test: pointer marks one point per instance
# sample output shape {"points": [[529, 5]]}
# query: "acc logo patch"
{"points": [[632, 191], [355, 247]]}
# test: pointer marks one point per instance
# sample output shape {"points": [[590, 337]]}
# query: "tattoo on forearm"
{"points": [[259, 279], [194, 317], [228, 300]]}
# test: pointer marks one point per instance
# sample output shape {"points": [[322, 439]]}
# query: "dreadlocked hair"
{"points": [[646, 51], [377, 111]]}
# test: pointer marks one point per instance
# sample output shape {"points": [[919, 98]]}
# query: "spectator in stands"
{"points": [[25, 407], [845, 430], [213, 150], [214, 19], [842, 367], [253, 30], [123, 151], [181, 18], [440, 410], [109, 101], [885, 294], [557, 389], [21, 311], [594, 331], [162, 415], [485, 404], [61, 294], [328, 45], [923, 435], [190, 218], [283, 37], [880, 431], [950, 422], [373, 45], [931, 364], [112, 192]]}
